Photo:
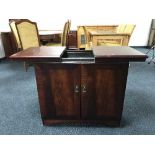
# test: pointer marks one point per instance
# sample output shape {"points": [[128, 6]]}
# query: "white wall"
{"points": [[51, 14]]}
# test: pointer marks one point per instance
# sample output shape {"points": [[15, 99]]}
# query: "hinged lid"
{"points": [[43, 53], [115, 53]]}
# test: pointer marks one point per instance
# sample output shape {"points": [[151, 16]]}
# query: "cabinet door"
{"points": [[58, 89], [87, 91], [104, 92]]}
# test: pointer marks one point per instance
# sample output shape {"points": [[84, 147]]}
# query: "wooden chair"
{"points": [[24, 38], [88, 42], [64, 35], [120, 28], [129, 29], [66, 30], [15, 34], [26, 35]]}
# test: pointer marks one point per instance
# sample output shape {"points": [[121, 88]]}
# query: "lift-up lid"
{"points": [[43, 53], [117, 53], [100, 53]]}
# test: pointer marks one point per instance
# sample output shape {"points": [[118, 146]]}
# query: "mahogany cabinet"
{"points": [[81, 86], [81, 92]]}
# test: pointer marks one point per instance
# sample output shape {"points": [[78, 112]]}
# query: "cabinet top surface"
{"points": [[40, 52], [100, 53], [117, 52]]}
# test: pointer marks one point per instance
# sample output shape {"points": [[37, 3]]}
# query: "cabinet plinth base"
{"points": [[111, 123]]}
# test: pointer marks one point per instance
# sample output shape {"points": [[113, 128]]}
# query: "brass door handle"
{"points": [[84, 90], [76, 90]]}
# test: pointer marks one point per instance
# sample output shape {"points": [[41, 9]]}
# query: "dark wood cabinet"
{"points": [[81, 86], [81, 91]]}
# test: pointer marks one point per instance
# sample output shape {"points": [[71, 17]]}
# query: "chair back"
{"points": [[125, 28], [129, 28], [66, 30], [28, 34], [15, 33], [120, 28]]}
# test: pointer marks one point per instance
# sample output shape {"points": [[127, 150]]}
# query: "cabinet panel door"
{"points": [[87, 91], [106, 89], [56, 88]]}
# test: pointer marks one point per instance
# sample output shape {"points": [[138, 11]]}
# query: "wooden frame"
{"points": [[123, 39], [82, 33], [99, 34]]}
